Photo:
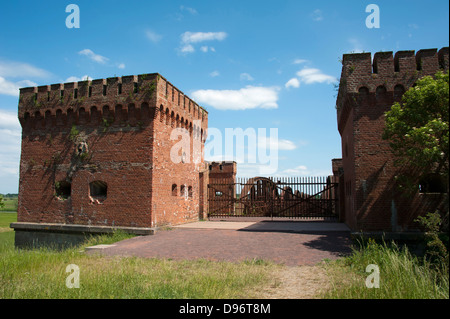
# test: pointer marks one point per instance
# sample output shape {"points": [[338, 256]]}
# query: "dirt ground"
{"points": [[300, 282]]}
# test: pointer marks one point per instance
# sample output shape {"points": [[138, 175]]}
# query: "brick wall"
{"points": [[107, 132], [366, 91], [221, 175]]}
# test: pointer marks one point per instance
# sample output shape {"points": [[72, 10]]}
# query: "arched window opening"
{"points": [[363, 90], [161, 113]]}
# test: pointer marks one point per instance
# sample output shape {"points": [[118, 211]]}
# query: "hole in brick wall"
{"points": [[98, 190], [419, 65], [63, 189], [119, 88], [61, 93], [218, 193], [135, 88], [183, 190], [167, 117], [363, 90], [190, 192], [90, 91], [432, 183], [161, 113], [104, 90], [174, 190], [75, 93]]}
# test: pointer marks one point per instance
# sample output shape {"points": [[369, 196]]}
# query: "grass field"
{"points": [[401, 275], [41, 273], [10, 204]]}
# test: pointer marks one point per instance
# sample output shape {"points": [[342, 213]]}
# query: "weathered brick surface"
{"points": [[221, 189], [125, 124], [367, 90]]}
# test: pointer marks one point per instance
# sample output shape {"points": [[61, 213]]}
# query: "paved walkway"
{"points": [[289, 243]]}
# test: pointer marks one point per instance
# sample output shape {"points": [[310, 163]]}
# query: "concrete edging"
{"points": [[72, 228]]}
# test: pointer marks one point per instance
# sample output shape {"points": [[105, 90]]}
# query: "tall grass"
{"points": [[402, 275], [41, 273]]}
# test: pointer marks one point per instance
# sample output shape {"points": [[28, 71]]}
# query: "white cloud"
{"points": [[20, 69], [153, 36], [10, 139], [317, 15], [94, 57], [302, 170], [189, 38], [12, 69], [299, 170], [12, 88], [77, 79], [213, 74], [310, 75], [246, 77], [280, 144], [190, 10], [294, 82], [187, 49], [250, 97], [300, 61], [9, 121], [206, 48], [195, 37], [121, 66]]}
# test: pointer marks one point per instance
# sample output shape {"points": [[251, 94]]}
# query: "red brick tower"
{"points": [[103, 153], [367, 90]]}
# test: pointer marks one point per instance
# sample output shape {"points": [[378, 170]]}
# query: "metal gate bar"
{"points": [[280, 197]]}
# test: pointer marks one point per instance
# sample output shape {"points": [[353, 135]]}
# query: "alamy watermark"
{"points": [[373, 19], [73, 19], [245, 146], [373, 280], [73, 280]]}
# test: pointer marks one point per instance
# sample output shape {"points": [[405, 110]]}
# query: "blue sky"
{"points": [[251, 64]]}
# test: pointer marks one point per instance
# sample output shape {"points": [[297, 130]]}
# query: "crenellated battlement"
{"points": [[224, 167], [386, 77], [359, 66], [132, 98]]}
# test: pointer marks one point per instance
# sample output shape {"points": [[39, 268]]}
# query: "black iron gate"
{"points": [[290, 197]]}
